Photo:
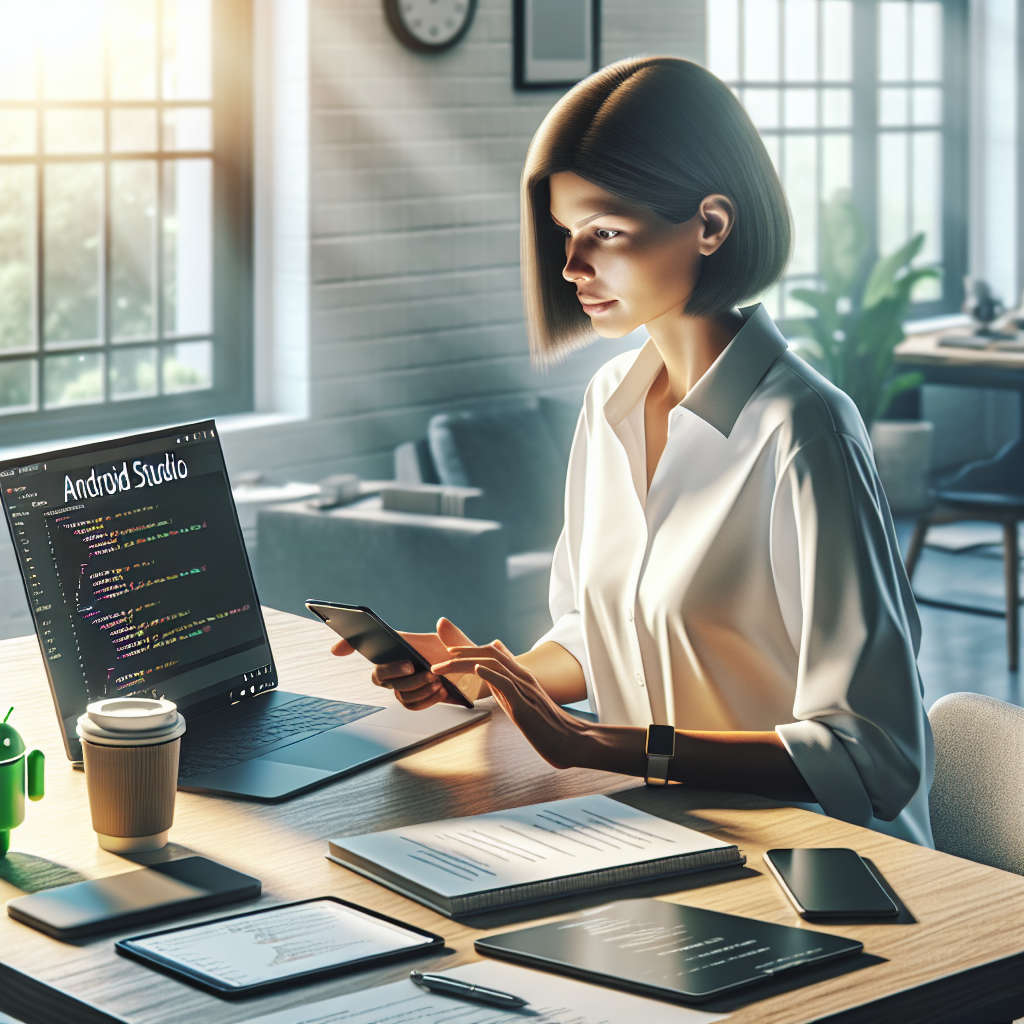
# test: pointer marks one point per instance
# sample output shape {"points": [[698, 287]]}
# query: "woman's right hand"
{"points": [[418, 691]]}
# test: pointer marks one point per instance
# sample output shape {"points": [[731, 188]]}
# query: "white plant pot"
{"points": [[903, 457]]}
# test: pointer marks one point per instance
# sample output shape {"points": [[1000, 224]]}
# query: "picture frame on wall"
{"points": [[557, 42]]}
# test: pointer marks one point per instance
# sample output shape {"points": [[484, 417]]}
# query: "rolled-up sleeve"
{"points": [[861, 738]]}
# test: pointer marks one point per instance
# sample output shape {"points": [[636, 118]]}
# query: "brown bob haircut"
{"points": [[662, 132]]}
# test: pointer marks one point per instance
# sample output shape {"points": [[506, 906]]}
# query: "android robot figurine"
{"points": [[20, 775]]}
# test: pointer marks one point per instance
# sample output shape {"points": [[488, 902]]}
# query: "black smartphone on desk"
{"points": [[132, 898], [832, 882], [376, 641]]}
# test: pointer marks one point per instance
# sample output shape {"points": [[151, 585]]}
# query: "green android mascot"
{"points": [[18, 775]]}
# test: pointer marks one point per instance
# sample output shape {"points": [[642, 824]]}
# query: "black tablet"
{"points": [[249, 954], [666, 950]]}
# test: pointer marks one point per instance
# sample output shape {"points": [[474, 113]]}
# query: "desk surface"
{"points": [[924, 349], [966, 948]]}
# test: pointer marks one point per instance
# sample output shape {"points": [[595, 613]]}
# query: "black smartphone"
{"points": [[135, 897], [832, 882], [375, 640]]}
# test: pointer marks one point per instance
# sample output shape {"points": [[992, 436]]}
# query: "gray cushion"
{"points": [[511, 455]]}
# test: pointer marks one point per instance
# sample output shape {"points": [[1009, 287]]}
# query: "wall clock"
{"points": [[429, 25]]}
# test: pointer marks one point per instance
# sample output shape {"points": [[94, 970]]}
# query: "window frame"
{"points": [[232, 259], [865, 130]]}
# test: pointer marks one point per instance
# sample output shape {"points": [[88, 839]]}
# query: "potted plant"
{"points": [[851, 340]]}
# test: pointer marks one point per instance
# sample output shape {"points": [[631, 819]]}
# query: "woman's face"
{"points": [[629, 265]]}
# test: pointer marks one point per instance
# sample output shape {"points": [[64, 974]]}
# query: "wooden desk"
{"points": [[962, 367], [965, 950]]}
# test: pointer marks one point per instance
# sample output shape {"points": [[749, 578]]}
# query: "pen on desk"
{"points": [[464, 990]]}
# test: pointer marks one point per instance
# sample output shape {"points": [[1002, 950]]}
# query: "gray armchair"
{"points": [[467, 529]]}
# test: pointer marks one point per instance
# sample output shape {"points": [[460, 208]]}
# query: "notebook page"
{"points": [[458, 856]]}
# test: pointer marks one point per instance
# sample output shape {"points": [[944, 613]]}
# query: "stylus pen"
{"points": [[464, 990]]}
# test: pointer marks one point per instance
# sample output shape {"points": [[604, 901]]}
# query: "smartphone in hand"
{"points": [[376, 641]]}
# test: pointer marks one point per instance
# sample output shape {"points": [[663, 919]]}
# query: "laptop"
{"points": [[140, 585]]}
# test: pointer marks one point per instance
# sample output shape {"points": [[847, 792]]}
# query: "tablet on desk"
{"points": [[249, 954]]}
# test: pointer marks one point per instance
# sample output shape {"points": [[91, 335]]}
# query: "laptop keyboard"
{"points": [[207, 752]]}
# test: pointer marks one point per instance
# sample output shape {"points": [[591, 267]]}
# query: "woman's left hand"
{"points": [[560, 738]]}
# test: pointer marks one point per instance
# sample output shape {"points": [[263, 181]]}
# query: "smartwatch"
{"points": [[661, 748]]}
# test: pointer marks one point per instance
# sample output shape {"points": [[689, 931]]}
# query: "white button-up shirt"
{"points": [[757, 585]]}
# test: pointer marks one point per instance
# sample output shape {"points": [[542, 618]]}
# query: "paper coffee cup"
{"points": [[130, 746]]}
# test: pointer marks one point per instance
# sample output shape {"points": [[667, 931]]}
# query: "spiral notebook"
{"points": [[528, 854]]}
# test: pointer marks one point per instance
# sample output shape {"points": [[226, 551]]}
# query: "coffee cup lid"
{"points": [[132, 714], [131, 720]]}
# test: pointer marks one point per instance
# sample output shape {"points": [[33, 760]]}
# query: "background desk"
{"points": [[966, 949], [962, 367]]}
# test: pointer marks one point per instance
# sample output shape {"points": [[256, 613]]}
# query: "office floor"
{"points": [[962, 651]]}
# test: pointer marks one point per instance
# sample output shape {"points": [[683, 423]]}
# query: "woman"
{"points": [[728, 565]]}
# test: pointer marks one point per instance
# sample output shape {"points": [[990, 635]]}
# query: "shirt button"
{"points": [[640, 679]]}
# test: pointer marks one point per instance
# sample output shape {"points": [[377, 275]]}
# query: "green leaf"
{"points": [[895, 386], [844, 243], [884, 273]]}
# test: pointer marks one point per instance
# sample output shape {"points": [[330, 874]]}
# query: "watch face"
{"points": [[433, 24], [661, 739]]}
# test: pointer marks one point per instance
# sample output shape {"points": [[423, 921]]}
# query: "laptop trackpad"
{"points": [[257, 779], [339, 749]]}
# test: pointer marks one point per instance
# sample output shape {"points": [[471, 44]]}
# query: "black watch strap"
{"points": [[661, 748]]}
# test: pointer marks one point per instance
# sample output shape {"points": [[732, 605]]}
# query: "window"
{"points": [[866, 95], [124, 278]]}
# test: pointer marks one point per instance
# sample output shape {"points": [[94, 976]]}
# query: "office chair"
{"points": [[977, 798], [991, 490]]}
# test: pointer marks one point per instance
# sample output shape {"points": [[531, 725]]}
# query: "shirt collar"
{"points": [[720, 395]]}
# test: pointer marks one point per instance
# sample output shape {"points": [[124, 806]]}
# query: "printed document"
{"points": [[552, 1000], [526, 844]]}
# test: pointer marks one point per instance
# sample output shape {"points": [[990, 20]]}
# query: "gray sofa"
{"points": [[465, 530]]}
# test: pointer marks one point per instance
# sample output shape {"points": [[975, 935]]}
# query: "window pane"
{"points": [[73, 380], [892, 192], [927, 42], [17, 386], [132, 249], [188, 246], [761, 37], [723, 39], [17, 258], [132, 373], [801, 40], [762, 106], [837, 108], [836, 164], [927, 192], [801, 108], [892, 41], [837, 41], [74, 131], [927, 105], [188, 366], [188, 128], [17, 132], [133, 130], [71, 254], [72, 42], [801, 181], [771, 143], [187, 50], [132, 49], [892, 106], [17, 49]]}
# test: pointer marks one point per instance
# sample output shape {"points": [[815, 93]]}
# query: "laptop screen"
{"points": [[136, 573]]}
